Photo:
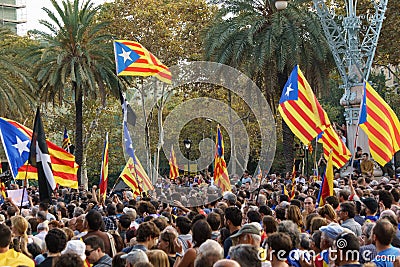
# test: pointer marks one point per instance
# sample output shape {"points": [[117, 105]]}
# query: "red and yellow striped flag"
{"points": [[293, 183], [132, 59], [173, 166], [300, 108], [221, 177], [332, 142], [326, 188], [380, 124], [141, 175], [3, 190], [128, 176], [104, 172], [63, 163]]}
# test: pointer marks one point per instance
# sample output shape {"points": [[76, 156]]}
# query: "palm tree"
{"points": [[16, 87], [265, 43], [76, 55]]}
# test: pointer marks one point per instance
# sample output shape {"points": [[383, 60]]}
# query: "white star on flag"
{"points": [[125, 55], [288, 90], [21, 146]]}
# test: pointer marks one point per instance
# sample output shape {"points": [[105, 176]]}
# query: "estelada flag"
{"points": [[221, 177], [381, 125], [326, 188], [173, 166], [133, 59], [128, 177], [63, 163], [300, 108], [332, 142], [104, 172]]}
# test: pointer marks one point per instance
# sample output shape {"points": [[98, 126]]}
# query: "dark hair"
{"points": [[111, 209], [5, 236], [316, 238], [344, 193], [333, 201], [351, 244], [125, 221], [95, 242], [313, 198], [198, 217], [94, 220], [280, 213], [280, 242], [296, 202], [348, 207], [120, 207], [68, 260], [34, 249], [386, 198], [283, 197], [309, 219], [44, 206], [384, 232], [56, 240], [270, 224], [234, 215], [131, 233], [146, 230], [253, 216], [214, 220], [183, 223], [118, 261], [265, 210], [34, 223], [169, 237], [201, 231]]}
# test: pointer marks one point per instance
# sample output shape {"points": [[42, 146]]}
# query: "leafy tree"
{"points": [[266, 44], [77, 57], [16, 86]]}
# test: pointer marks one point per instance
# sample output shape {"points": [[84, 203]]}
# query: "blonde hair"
{"points": [[294, 214], [327, 212], [19, 226], [158, 258]]}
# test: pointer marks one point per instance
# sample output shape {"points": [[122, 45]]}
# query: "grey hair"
{"points": [[292, 230], [210, 252], [245, 255], [136, 256], [369, 226], [78, 211]]}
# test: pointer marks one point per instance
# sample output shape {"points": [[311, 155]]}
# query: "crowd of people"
{"points": [[189, 222]]}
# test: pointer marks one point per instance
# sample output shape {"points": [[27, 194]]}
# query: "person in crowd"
{"points": [[95, 252], [226, 263], [382, 235], [294, 214], [214, 220], [370, 209], [248, 234], [8, 256], [367, 248], [158, 258], [93, 222], [183, 225], [346, 213], [135, 257], [69, 260], [166, 243], [56, 240], [209, 253], [366, 165], [110, 220], [246, 255], [279, 246], [233, 221], [346, 244], [146, 238], [19, 227]]}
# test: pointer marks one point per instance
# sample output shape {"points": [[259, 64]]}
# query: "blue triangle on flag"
{"points": [[124, 56]]}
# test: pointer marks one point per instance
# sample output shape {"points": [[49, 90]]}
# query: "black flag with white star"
{"points": [[39, 157]]}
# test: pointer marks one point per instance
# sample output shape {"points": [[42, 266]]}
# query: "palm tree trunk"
{"points": [[288, 137], [79, 132]]}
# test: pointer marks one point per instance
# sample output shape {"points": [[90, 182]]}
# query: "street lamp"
{"points": [[281, 4], [188, 144]]}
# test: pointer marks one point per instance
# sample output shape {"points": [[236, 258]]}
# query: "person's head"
{"points": [[344, 195], [158, 257], [124, 222], [19, 225], [365, 156], [68, 260], [214, 220], [209, 252], [366, 229], [317, 223], [347, 210], [383, 232], [94, 248], [118, 261], [148, 233], [270, 225], [201, 231], [77, 247], [56, 240], [386, 198], [278, 242], [292, 230], [294, 214], [309, 204], [248, 234], [253, 216], [347, 246], [327, 212], [136, 256], [371, 206], [44, 206], [5, 236], [226, 263], [333, 201], [233, 217], [183, 225], [229, 198], [166, 241], [315, 244], [93, 220], [246, 255], [329, 234]]}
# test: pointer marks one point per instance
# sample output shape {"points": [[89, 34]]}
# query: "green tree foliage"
{"points": [[16, 86], [77, 56], [266, 44]]}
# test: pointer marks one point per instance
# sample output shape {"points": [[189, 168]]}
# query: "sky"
{"points": [[34, 13]]}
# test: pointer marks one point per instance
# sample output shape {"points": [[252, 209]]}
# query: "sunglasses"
{"points": [[88, 252]]}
